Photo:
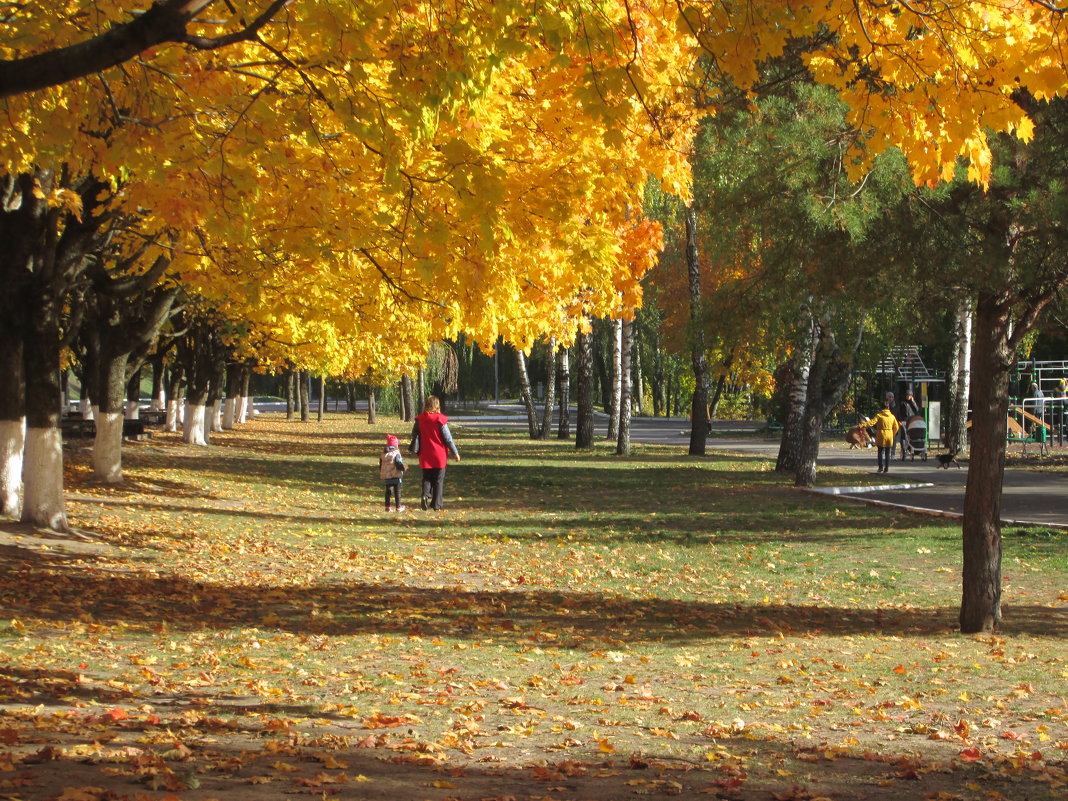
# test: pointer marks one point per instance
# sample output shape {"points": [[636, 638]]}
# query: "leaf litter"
{"points": [[243, 622]]}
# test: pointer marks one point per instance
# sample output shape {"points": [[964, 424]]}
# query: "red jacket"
{"points": [[434, 439]]}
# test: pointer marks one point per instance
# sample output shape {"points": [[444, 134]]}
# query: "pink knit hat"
{"points": [[392, 441]]}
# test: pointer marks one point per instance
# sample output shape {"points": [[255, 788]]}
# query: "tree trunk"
{"points": [[304, 393], [699, 406], [796, 373], [322, 398], [406, 412], [584, 391], [233, 396], [159, 397], [956, 419], [638, 377], [992, 361], [133, 395], [372, 412], [550, 391], [524, 393], [174, 397], [113, 389], [827, 383], [563, 377], [615, 374], [245, 402], [626, 349], [291, 393], [12, 423], [43, 504], [420, 388]]}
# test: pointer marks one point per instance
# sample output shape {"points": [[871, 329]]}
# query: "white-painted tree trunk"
{"points": [[173, 408], [12, 444], [193, 431], [216, 416], [42, 479], [86, 408], [250, 407], [241, 409], [107, 448], [159, 403], [133, 410], [229, 412]]}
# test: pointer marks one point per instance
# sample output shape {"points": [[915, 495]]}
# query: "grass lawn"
{"points": [[245, 621]]}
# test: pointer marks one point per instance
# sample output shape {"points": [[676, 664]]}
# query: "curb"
{"points": [[857, 493]]}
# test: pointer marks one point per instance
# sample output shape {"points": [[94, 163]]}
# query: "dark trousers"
{"points": [[393, 490], [434, 485], [884, 456]]}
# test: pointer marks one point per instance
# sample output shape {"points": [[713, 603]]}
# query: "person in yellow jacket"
{"points": [[886, 427]]}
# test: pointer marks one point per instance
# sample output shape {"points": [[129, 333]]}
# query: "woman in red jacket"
{"points": [[433, 442]]}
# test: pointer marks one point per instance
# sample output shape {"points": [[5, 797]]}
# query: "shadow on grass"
{"points": [[53, 590], [260, 750]]}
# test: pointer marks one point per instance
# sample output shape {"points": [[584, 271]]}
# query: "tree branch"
{"points": [[165, 21]]}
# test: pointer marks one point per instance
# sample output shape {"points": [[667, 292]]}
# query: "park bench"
{"points": [[72, 426], [153, 418]]}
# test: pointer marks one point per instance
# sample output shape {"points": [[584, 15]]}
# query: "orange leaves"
{"points": [[377, 720]]}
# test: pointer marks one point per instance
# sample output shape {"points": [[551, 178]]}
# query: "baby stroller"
{"points": [[915, 436]]}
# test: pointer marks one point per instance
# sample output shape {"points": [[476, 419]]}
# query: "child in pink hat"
{"points": [[391, 469]]}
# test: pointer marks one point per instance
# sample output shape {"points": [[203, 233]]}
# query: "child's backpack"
{"points": [[388, 467]]}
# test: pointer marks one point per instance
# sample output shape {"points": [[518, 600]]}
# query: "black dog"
{"points": [[946, 459]]}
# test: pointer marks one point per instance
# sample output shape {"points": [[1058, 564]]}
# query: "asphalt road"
{"points": [[1030, 496]]}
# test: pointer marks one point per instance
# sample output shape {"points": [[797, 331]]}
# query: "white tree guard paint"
{"points": [[159, 403], [172, 416], [86, 408], [133, 410], [216, 415], [42, 478], [12, 444], [240, 409], [229, 408], [193, 425], [250, 408], [107, 448]]}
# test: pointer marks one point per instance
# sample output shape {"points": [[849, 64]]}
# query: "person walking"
{"points": [[886, 427], [908, 409], [433, 441], [391, 469]]}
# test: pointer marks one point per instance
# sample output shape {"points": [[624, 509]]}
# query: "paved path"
{"points": [[1030, 497]]}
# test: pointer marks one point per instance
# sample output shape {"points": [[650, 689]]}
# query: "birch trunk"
{"points": [[550, 392], [524, 394], [699, 407], [616, 377], [960, 377], [626, 349], [563, 430], [584, 392]]}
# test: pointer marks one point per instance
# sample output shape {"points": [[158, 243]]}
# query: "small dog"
{"points": [[858, 437], [946, 459]]}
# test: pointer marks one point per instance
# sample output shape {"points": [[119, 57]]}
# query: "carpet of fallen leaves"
{"points": [[245, 621]]}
